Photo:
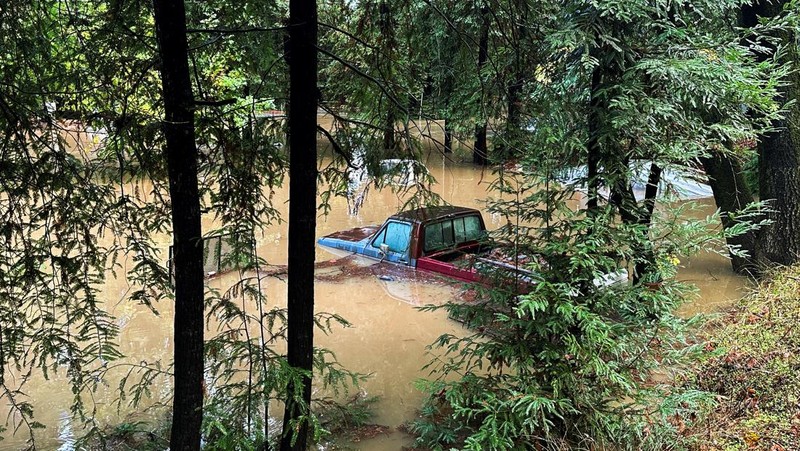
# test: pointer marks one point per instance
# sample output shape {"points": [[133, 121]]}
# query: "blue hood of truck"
{"points": [[360, 247]]}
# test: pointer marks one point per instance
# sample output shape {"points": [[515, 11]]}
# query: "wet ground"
{"points": [[388, 337]]}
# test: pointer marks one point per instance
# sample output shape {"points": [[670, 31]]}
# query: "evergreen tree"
{"points": [[560, 359], [74, 212]]}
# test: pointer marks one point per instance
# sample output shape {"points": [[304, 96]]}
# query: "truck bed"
{"points": [[460, 263], [464, 262]]}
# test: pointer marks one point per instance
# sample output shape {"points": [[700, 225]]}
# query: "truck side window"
{"points": [[459, 230], [439, 235], [433, 237], [472, 228], [452, 232], [447, 233], [397, 235]]}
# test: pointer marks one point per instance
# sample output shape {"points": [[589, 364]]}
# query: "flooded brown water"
{"points": [[388, 337]]}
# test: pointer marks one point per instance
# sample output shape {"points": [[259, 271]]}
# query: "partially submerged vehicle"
{"points": [[448, 240], [676, 182], [437, 239]]}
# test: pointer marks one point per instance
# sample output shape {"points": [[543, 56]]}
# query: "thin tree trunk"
{"points": [[650, 193], [646, 219], [509, 147], [389, 141], [302, 213], [448, 137], [388, 64], [731, 194], [448, 85], [480, 152], [514, 89], [514, 92], [181, 154], [593, 144], [631, 212]]}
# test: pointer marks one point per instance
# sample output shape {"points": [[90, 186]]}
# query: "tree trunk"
{"points": [[302, 213], [480, 152], [389, 44], [779, 156], [448, 137], [731, 194], [779, 182], [389, 141], [515, 87], [181, 154], [514, 92], [593, 145], [509, 148]]}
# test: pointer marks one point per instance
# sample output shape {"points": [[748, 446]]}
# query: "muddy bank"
{"points": [[755, 370]]}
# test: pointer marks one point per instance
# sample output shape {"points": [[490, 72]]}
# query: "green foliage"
{"points": [[84, 197], [568, 363], [347, 421], [83, 194], [61, 230], [559, 359], [132, 434], [223, 428]]}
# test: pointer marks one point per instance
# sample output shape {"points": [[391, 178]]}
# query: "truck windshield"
{"points": [[452, 232], [396, 235]]}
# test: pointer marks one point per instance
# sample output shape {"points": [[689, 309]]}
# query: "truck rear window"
{"points": [[452, 232]]}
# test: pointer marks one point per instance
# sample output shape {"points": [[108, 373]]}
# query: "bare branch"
{"points": [[337, 148]]}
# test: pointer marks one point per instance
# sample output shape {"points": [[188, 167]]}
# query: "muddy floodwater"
{"points": [[388, 337]]}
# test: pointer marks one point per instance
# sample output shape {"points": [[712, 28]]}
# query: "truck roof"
{"points": [[428, 214]]}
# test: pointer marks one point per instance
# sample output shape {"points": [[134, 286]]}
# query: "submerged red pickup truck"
{"points": [[448, 240]]}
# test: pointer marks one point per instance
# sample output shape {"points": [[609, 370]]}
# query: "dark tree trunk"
{"points": [[448, 137], [448, 85], [593, 144], [779, 157], [389, 44], [181, 154], [480, 152], [731, 194], [389, 141], [779, 182], [645, 213], [508, 150], [514, 93], [515, 87], [302, 212], [650, 193]]}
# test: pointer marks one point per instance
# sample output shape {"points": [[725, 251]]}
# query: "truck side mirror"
{"points": [[384, 248]]}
